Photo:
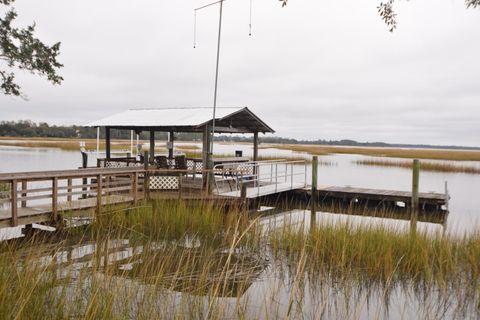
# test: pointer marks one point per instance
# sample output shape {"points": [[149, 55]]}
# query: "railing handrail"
{"points": [[261, 162], [73, 173], [240, 171]]}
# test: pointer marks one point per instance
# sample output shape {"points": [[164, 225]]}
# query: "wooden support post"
{"points": [[146, 179], [99, 193], [54, 199], [134, 179], [170, 147], [314, 196], [415, 195], [255, 146], [69, 189], [24, 193], [205, 157], [255, 154], [14, 203], [152, 146], [107, 143]]}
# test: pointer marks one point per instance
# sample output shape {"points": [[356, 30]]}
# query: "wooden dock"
{"points": [[351, 195], [48, 196]]}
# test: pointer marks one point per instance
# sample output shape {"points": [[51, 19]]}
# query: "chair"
{"points": [[161, 162], [180, 162]]}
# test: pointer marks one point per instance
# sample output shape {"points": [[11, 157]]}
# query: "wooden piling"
{"points": [[314, 195], [243, 191], [107, 143], [415, 195], [152, 146], [146, 180]]}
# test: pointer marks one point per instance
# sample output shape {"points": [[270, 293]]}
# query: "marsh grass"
{"points": [[434, 154], [179, 259], [187, 147], [4, 187], [424, 165], [65, 144]]}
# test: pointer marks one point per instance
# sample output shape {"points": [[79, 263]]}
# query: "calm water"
{"points": [[464, 189], [269, 293]]}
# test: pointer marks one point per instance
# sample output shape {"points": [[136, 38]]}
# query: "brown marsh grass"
{"points": [[424, 165], [182, 260], [434, 154], [65, 144]]}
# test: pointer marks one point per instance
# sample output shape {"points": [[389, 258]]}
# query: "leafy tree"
{"points": [[387, 13], [20, 49]]}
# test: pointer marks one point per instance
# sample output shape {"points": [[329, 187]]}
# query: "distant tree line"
{"points": [[29, 129]]}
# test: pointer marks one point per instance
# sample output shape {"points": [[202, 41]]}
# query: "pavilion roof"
{"points": [[227, 120]]}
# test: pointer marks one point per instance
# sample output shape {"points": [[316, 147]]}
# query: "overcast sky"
{"points": [[315, 69]]}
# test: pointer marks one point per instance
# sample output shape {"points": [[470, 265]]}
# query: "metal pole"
{"points": [[216, 74]]}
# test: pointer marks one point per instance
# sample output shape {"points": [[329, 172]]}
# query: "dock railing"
{"points": [[48, 192], [258, 176]]}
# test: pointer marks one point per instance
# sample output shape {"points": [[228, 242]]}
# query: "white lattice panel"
{"points": [[164, 183], [115, 164]]}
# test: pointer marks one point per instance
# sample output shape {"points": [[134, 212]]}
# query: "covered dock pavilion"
{"points": [[236, 120]]}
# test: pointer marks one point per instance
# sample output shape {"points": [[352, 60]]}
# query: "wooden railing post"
{"points": [[54, 199], [14, 204], [99, 194], [84, 188], [24, 193], [69, 189]]}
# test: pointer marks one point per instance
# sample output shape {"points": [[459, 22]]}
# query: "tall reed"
{"points": [[181, 259]]}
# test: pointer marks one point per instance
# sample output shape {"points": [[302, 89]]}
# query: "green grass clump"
{"points": [[381, 254]]}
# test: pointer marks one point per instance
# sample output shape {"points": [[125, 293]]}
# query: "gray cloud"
{"points": [[315, 69]]}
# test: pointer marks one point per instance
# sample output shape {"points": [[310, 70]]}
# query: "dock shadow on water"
{"points": [[179, 259]]}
